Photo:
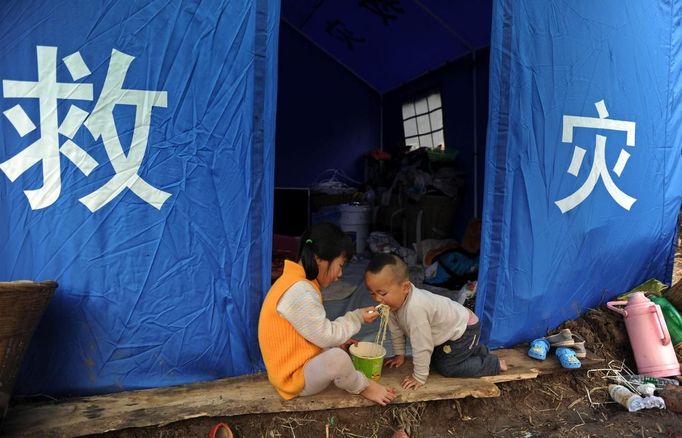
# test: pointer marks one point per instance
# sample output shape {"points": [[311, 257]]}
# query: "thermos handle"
{"points": [[612, 305], [662, 328]]}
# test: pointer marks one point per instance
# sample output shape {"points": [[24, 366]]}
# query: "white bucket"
{"points": [[354, 221]]}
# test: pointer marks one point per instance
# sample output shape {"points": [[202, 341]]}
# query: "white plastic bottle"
{"points": [[626, 398], [646, 389], [653, 401], [650, 400]]}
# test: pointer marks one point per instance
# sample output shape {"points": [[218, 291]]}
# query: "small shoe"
{"points": [[579, 347], [538, 349], [562, 339], [221, 430], [567, 358]]}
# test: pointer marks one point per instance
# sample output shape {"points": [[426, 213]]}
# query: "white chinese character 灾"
{"points": [[599, 167]]}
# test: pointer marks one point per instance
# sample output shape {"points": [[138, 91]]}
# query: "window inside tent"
{"points": [[423, 122]]}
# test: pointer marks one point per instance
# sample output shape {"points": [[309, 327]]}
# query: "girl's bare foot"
{"points": [[378, 393], [400, 434], [503, 365]]}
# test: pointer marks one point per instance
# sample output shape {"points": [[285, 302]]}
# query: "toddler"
{"points": [[442, 332]]}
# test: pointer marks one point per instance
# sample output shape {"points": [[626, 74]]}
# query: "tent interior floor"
{"points": [[245, 395]]}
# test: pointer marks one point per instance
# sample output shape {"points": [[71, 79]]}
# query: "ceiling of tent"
{"points": [[390, 42]]}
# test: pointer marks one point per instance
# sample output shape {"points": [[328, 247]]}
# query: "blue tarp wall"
{"points": [[346, 68], [464, 120], [327, 118], [136, 169], [583, 171]]}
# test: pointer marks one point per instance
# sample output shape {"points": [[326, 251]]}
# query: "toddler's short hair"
{"points": [[397, 265]]}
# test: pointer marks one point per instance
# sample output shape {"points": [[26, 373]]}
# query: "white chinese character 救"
{"points": [[100, 123]]}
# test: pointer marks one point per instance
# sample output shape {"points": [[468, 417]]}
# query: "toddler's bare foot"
{"points": [[378, 393], [503, 365]]}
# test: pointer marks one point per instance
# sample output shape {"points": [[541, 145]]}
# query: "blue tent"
{"points": [[137, 160]]}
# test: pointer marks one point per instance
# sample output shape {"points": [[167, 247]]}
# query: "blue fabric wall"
{"points": [[390, 43], [455, 83], [326, 117], [583, 167], [161, 278]]}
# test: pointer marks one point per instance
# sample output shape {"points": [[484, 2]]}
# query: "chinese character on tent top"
{"points": [[599, 168], [100, 123]]}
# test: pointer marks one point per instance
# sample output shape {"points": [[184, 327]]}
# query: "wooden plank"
{"points": [[518, 360], [236, 396]]}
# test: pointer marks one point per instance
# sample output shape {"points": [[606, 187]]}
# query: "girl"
{"points": [[298, 343]]}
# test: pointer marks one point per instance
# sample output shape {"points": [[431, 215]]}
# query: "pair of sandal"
{"points": [[569, 348]]}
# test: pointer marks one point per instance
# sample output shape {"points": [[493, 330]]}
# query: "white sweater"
{"points": [[301, 305], [428, 320]]}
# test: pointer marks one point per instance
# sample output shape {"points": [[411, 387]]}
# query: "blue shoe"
{"points": [[538, 349], [567, 358]]}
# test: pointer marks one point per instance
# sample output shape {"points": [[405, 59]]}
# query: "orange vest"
{"points": [[284, 350]]}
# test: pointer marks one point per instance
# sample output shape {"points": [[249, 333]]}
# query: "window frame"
{"points": [[415, 117]]}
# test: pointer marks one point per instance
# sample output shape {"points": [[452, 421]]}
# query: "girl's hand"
{"points": [[369, 314], [348, 343], [395, 361], [410, 382]]}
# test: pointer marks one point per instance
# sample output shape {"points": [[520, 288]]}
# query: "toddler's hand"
{"points": [[369, 314], [395, 361], [410, 382]]}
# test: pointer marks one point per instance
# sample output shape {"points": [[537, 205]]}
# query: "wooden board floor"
{"points": [[243, 395]]}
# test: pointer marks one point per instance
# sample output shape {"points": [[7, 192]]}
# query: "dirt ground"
{"points": [[550, 406]]}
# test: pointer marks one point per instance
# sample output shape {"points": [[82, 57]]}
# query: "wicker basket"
{"points": [[22, 304]]}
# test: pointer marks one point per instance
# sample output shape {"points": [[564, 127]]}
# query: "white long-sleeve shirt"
{"points": [[428, 320], [301, 305]]}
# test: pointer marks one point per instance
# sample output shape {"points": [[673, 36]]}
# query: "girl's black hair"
{"points": [[325, 241]]}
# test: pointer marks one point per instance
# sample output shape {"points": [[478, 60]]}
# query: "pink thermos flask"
{"points": [[649, 337]]}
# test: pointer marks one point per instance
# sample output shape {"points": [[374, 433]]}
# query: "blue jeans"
{"points": [[465, 357]]}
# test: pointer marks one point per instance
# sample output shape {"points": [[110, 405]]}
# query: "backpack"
{"points": [[452, 269]]}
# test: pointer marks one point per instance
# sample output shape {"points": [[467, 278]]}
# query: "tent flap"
{"points": [[136, 152], [582, 175]]}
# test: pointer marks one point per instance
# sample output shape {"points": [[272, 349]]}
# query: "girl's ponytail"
{"points": [[307, 257]]}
